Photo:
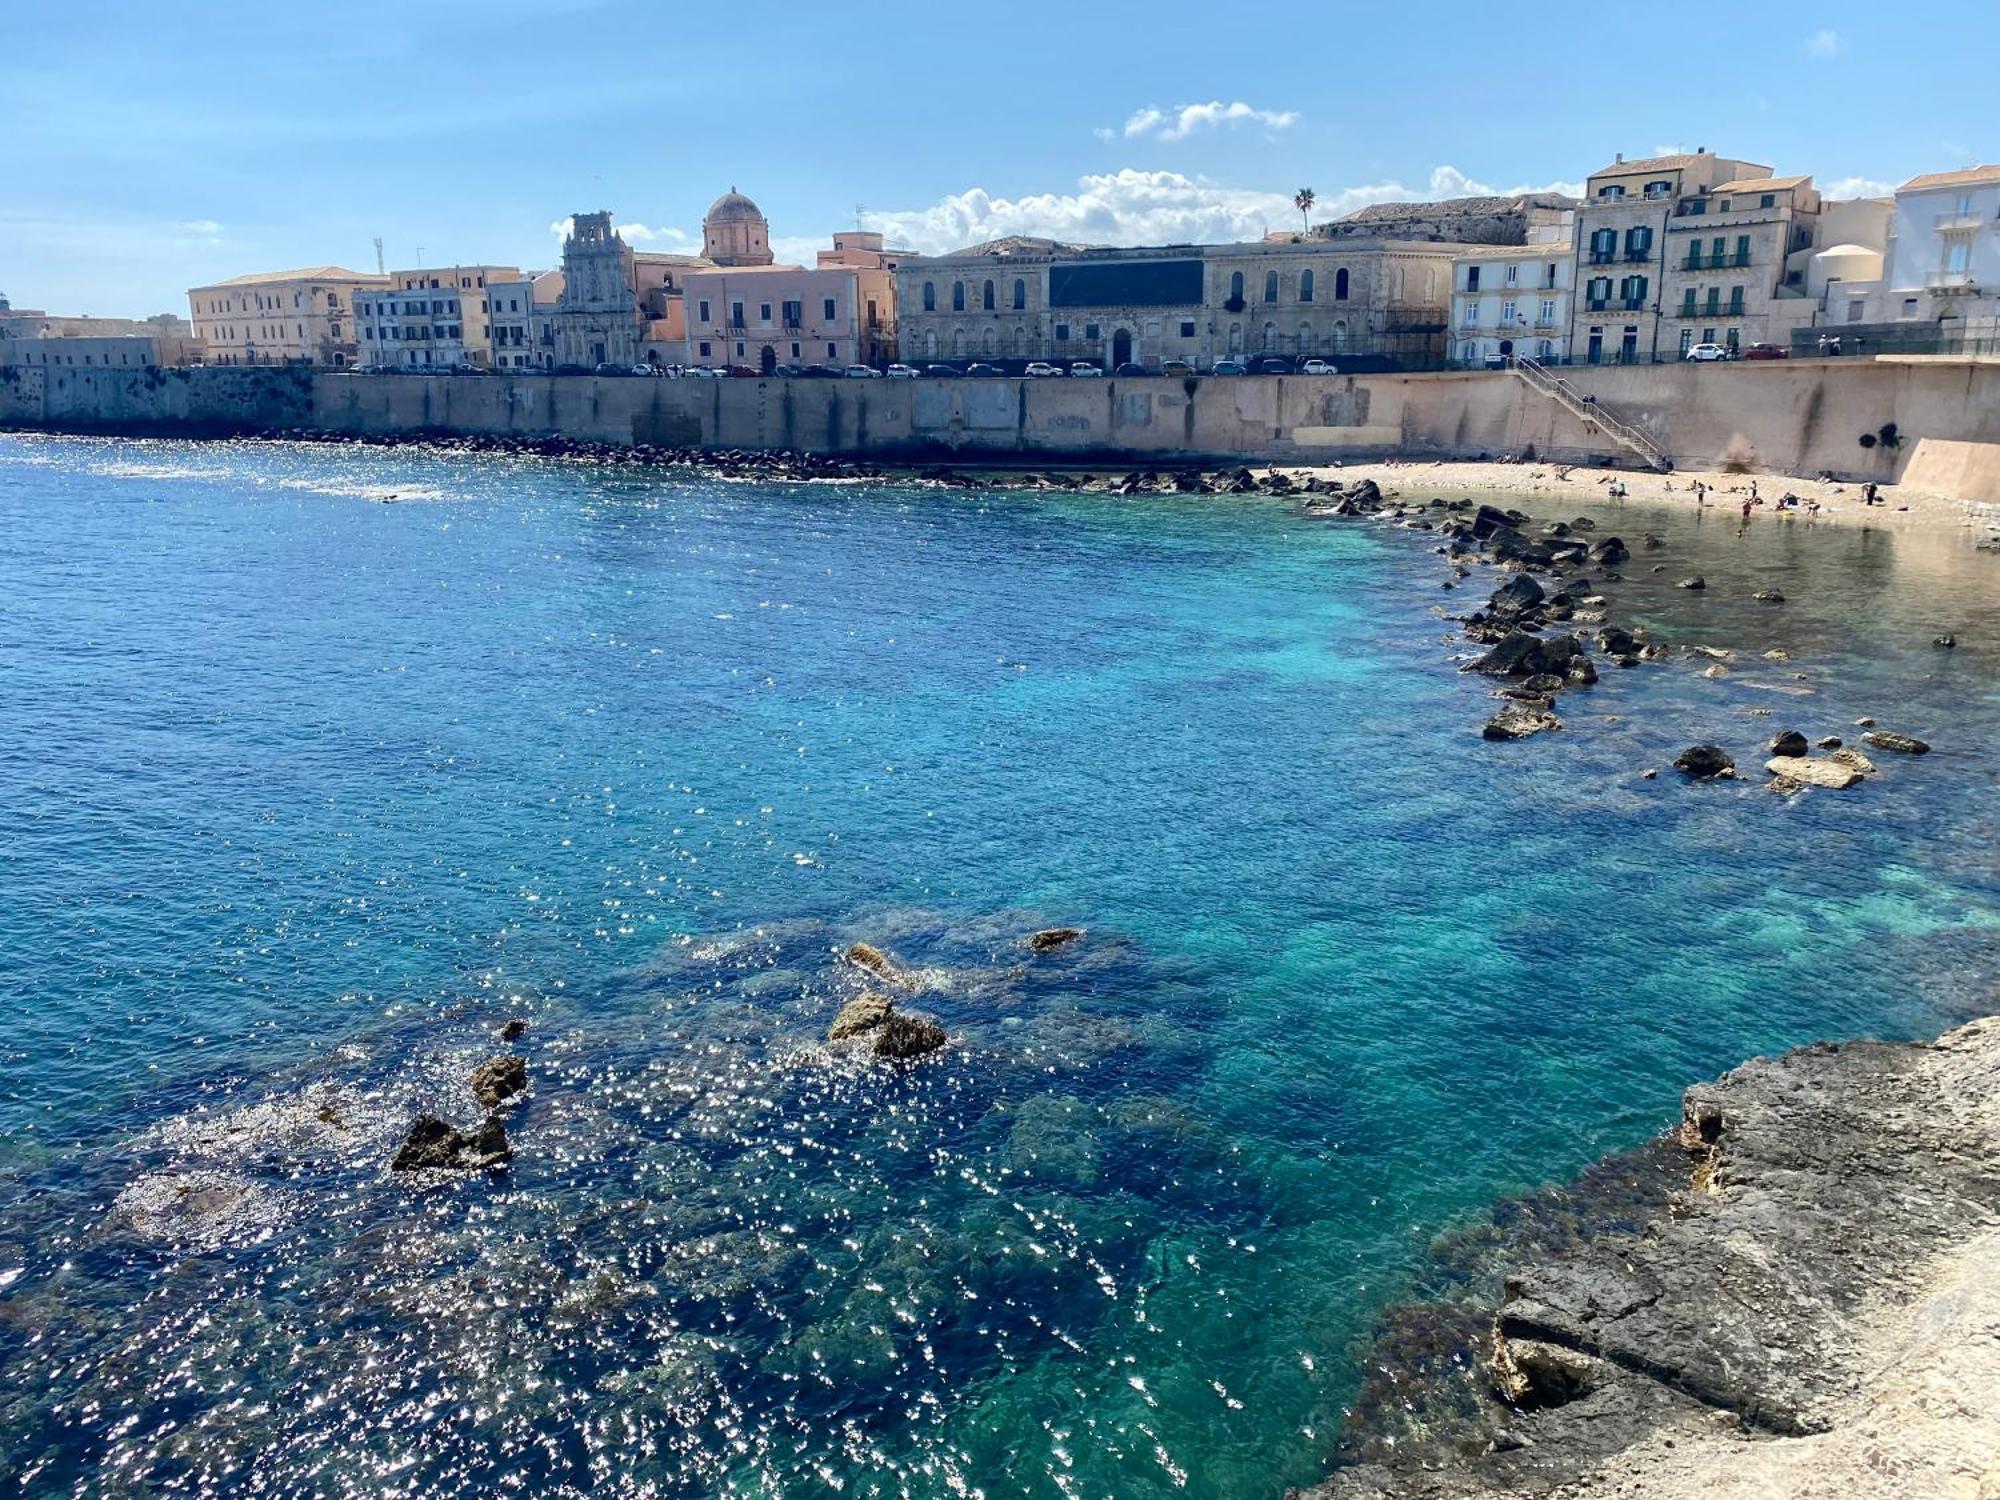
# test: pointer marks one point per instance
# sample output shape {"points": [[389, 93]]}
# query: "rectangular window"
{"points": [[1062, 333], [830, 314], [704, 351], [1187, 330], [1513, 275], [1742, 249], [1548, 310], [794, 314], [831, 352], [1090, 330], [704, 314], [736, 314], [1472, 314], [1472, 278], [763, 312], [1507, 312]]}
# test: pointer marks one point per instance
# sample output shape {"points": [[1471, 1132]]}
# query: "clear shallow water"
{"points": [[305, 794]]}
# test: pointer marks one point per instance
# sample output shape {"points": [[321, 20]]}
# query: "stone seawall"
{"points": [[1795, 416]]}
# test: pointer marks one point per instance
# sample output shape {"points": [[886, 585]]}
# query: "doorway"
{"points": [[1121, 348], [767, 360]]}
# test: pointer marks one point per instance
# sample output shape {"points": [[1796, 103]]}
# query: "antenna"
{"points": [[379, 271], [860, 215], [420, 257]]}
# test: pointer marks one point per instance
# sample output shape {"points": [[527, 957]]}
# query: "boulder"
{"points": [[514, 1030], [863, 1013], [1516, 721], [901, 1037], [1791, 742], [1545, 684], [1612, 640], [1365, 493], [1854, 760], [1651, 541], [873, 959], [1768, 596], [1051, 938], [1611, 550], [1889, 739], [1509, 545], [434, 1145], [1696, 582], [1717, 670], [1705, 762], [1811, 770], [1488, 520], [1827, 742], [1946, 641], [499, 1079], [1516, 596], [1582, 673], [1523, 655]]}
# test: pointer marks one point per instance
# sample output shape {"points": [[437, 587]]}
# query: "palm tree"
{"points": [[1303, 200]]}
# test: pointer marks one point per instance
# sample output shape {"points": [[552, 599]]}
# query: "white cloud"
{"points": [[1133, 207], [674, 240], [206, 229], [1184, 120], [1824, 43], [1858, 187]]}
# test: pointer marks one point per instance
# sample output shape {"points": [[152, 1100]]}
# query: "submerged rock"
{"points": [[1811, 770], [1516, 596], [1854, 759], [1051, 938], [1827, 742], [499, 1079], [1582, 673], [432, 1144], [1768, 596], [514, 1030], [1519, 720], [863, 1013], [902, 1037], [1705, 762], [1791, 742], [1696, 582], [1520, 654], [1890, 739], [873, 959]]}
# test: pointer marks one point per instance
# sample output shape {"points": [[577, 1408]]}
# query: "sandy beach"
{"points": [[1840, 503]]}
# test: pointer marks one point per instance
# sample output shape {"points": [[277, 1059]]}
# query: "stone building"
{"points": [[1024, 299], [735, 232], [597, 318], [1512, 219], [431, 318], [281, 317], [129, 351], [521, 321], [1512, 300]]}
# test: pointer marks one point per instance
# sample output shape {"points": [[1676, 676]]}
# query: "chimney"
{"points": [[1618, 160], [1701, 151]]}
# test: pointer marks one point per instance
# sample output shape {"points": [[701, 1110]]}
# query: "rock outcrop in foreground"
{"points": [[1797, 1294]]}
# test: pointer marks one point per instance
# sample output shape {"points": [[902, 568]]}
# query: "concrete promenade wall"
{"points": [[1794, 416]]}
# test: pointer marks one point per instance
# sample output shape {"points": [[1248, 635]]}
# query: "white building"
{"points": [[1943, 259], [1512, 299], [428, 319], [521, 321]]}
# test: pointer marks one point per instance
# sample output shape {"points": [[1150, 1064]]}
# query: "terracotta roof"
{"points": [[1651, 163], [1964, 177], [1761, 184], [310, 273]]}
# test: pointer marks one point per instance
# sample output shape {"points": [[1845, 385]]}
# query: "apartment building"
{"points": [[521, 321], [432, 318], [281, 317]]}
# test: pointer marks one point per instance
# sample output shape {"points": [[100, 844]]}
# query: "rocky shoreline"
{"points": [[1708, 1315]]}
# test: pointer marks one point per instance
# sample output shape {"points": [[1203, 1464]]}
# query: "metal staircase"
{"points": [[1588, 411]]}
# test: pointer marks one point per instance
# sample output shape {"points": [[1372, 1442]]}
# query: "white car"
{"points": [[703, 372], [903, 372], [1317, 367], [1083, 369], [1042, 371], [1702, 353], [862, 372]]}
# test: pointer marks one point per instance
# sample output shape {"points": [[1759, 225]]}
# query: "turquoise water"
{"points": [[306, 794]]}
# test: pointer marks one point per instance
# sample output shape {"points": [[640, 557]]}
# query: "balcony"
{"points": [[1731, 261], [1712, 310], [1945, 223], [1602, 257], [1596, 304], [1951, 281], [1639, 257], [1633, 304]]}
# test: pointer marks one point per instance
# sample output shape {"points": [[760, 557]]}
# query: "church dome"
{"points": [[733, 208]]}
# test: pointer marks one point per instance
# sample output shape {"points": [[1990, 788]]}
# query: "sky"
{"points": [[148, 148]]}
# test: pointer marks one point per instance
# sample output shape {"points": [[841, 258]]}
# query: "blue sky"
{"points": [[146, 148]]}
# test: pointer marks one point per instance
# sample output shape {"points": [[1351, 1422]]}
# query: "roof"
{"points": [[309, 273], [1498, 203], [1964, 177], [1761, 184], [1560, 250], [732, 208], [657, 258]]}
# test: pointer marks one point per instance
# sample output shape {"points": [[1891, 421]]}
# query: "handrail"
{"points": [[1536, 374]]}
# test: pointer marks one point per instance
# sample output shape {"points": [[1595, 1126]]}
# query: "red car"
{"points": [[1767, 351]]}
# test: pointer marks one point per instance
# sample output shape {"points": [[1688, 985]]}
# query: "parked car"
{"points": [[1041, 371], [1083, 369], [983, 369], [1231, 367], [1767, 351], [942, 372], [1273, 367], [1176, 367], [702, 372], [1703, 353], [1318, 367], [903, 372], [743, 372], [862, 372], [608, 368], [822, 372], [1128, 369]]}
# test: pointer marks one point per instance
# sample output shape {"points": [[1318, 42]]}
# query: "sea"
{"points": [[319, 765]]}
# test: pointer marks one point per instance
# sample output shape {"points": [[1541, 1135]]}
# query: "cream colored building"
{"points": [[433, 318], [1025, 299], [281, 317], [521, 321], [1510, 300]]}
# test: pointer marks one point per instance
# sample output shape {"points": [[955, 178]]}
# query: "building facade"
{"points": [[99, 351], [1510, 300], [1029, 299], [521, 321], [597, 317], [429, 319], [1736, 265], [281, 317], [1942, 261]]}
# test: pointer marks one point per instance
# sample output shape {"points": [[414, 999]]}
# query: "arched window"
{"points": [[1236, 286], [1340, 285], [1270, 286], [1020, 294], [1305, 338], [1340, 336], [991, 346], [1020, 341], [1235, 338], [1270, 338], [958, 296], [930, 296], [986, 297], [1305, 286], [957, 342], [930, 343], [1545, 349]]}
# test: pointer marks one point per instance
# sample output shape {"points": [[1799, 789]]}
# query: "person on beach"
{"points": [[1746, 517], [1868, 493]]}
